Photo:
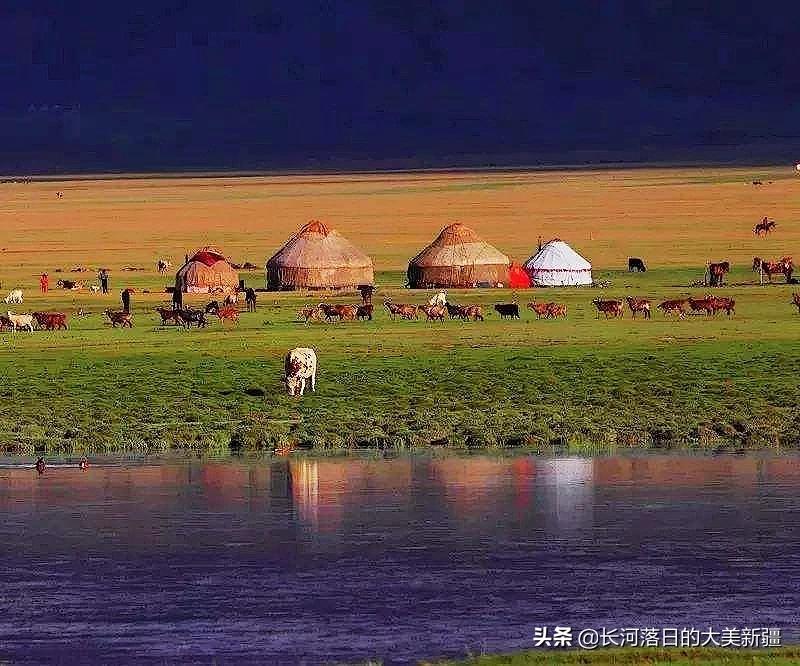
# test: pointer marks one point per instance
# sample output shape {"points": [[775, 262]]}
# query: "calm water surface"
{"points": [[333, 560]]}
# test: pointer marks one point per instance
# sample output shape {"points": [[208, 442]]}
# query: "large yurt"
{"points": [[318, 257], [558, 265], [458, 258], [207, 271]]}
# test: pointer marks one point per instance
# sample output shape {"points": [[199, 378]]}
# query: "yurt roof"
{"points": [[458, 245], [318, 246], [208, 255], [556, 255]]}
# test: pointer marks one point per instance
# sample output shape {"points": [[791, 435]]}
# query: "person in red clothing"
{"points": [[44, 283]]}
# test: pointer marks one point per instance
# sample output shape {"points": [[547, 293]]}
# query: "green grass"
{"points": [[633, 656], [579, 384]]}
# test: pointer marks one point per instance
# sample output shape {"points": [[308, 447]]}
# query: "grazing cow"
{"points": [[364, 311], [189, 316], [250, 299], [636, 265], [14, 296], [717, 272], [439, 299], [727, 304], [555, 310], [610, 308], [701, 304], [20, 321], [168, 314], [122, 318], [309, 314], [785, 266], [300, 365], [510, 310], [796, 301], [5, 322], [453, 310], [51, 320], [474, 312], [639, 305], [764, 227], [541, 309], [402, 310], [163, 266], [71, 285], [434, 312], [341, 312], [675, 306]]}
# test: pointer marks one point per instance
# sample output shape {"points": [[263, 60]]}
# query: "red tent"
{"points": [[517, 277]]}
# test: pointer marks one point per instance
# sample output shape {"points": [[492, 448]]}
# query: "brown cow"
{"points": [[717, 272], [168, 314], [785, 266], [555, 310], [364, 311], [310, 314], [796, 300], [701, 304], [675, 306], [723, 303], [51, 321], [342, 312], [401, 310], [541, 309], [122, 318], [610, 308], [474, 312], [639, 305], [434, 312]]}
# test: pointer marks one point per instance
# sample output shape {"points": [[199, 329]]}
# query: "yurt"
{"points": [[517, 277], [558, 265], [318, 257], [207, 271], [458, 258]]}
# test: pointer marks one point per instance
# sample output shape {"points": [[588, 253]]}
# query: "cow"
{"points": [[540, 309], [727, 304], [453, 310], [20, 321], [51, 320], [639, 305], [163, 265], [717, 272], [796, 301], [189, 316], [401, 310], [342, 312], [785, 266], [474, 312], [300, 364], [434, 312], [636, 265], [701, 304], [5, 322], [555, 310], [70, 285], [510, 310], [610, 308], [14, 296], [364, 311], [309, 314], [168, 314], [675, 306], [122, 318], [439, 299], [764, 227]]}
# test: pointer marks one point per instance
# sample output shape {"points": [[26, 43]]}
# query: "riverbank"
{"points": [[633, 656]]}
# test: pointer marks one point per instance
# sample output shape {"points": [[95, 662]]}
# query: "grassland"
{"points": [[651, 657], [580, 383]]}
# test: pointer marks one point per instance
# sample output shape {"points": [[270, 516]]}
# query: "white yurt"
{"points": [[558, 265]]}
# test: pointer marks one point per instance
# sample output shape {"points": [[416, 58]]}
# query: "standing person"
{"points": [[126, 300], [250, 298], [103, 277], [177, 295], [44, 283]]}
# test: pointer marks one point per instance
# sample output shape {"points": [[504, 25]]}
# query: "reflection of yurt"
{"points": [[207, 271], [318, 257], [517, 277], [458, 258], [558, 265]]}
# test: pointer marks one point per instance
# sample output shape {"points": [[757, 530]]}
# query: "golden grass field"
{"points": [[671, 217]]}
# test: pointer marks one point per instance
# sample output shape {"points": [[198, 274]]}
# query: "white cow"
{"points": [[20, 321], [439, 299], [300, 364], [14, 296]]}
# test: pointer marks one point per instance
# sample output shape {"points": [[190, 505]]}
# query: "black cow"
{"points": [[510, 310], [636, 265]]}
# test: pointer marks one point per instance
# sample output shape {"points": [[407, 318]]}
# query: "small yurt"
{"points": [[458, 258], [207, 271], [517, 277], [558, 265], [318, 257]]}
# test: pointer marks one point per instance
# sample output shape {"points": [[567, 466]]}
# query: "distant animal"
{"points": [[51, 321], [434, 312], [190, 316], [439, 299], [163, 265], [541, 309], [71, 285], [250, 299], [402, 310], [364, 311], [212, 307], [785, 267], [636, 265], [675, 306], [717, 272], [724, 303], [310, 314], [14, 296], [610, 308], [94, 288], [453, 310], [701, 304], [300, 364], [764, 227], [231, 299], [228, 313], [510, 310], [121, 319], [796, 300], [20, 321], [5, 322], [168, 314], [474, 312], [639, 305], [555, 310], [757, 182], [341, 312]]}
